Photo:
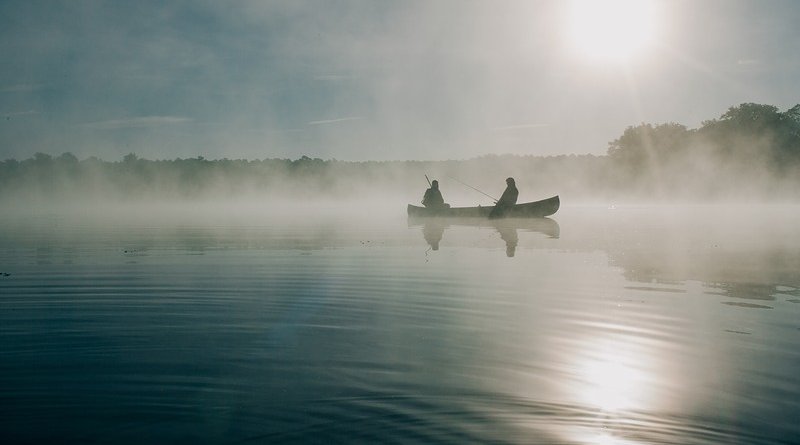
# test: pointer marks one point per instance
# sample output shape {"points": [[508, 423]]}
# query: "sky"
{"points": [[378, 80]]}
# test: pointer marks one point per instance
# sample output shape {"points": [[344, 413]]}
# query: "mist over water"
{"points": [[302, 322]]}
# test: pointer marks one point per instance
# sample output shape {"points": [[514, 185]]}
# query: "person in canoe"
{"points": [[506, 201], [433, 197]]}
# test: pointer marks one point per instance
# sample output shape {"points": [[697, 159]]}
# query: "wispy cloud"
{"points": [[137, 122], [20, 113], [335, 121], [748, 62], [521, 127], [332, 77], [21, 88]]}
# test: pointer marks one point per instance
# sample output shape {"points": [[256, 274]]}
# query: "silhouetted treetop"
{"points": [[648, 143]]}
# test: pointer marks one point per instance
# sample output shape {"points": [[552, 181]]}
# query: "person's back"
{"points": [[433, 197]]}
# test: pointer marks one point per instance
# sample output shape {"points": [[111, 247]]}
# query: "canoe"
{"points": [[535, 209]]}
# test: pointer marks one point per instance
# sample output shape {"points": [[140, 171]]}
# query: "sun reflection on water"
{"points": [[611, 384], [616, 378], [604, 438]]}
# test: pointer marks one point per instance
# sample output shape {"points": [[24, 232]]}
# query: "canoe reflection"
{"points": [[433, 228]]}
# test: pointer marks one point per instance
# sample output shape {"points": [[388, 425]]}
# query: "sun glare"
{"points": [[614, 376], [610, 30]]}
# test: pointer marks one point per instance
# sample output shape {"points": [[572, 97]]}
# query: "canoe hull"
{"points": [[536, 209]]}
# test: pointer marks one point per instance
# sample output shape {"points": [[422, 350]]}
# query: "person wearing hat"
{"points": [[506, 201]]}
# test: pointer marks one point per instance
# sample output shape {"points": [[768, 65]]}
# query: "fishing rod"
{"points": [[473, 188]]}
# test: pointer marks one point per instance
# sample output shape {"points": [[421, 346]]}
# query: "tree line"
{"points": [[750, 150], [751, 147]]}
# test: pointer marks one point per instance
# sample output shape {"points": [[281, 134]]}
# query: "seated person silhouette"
{"points": [[433, 197], [506, 201]]}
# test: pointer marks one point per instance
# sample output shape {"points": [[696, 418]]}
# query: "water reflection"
{"points": [[433, 232], [509, 235], [621, 331], [433, 229]]}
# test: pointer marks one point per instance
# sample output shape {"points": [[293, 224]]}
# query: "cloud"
{"points": [[333, 77], [334, 121], [137, 122], [20, 113], [21, 88], [520, 127]]}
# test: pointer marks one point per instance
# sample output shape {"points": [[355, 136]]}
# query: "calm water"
{"points": [[632, 325]]}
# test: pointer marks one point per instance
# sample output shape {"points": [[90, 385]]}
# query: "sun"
{"points": [[610, 30]]}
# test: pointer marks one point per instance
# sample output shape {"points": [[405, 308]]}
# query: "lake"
{"points": [[599, 325]]}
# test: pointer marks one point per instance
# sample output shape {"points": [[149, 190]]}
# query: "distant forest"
{"points": [[750, 151]]}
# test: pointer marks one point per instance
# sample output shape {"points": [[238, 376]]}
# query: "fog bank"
{"points": [[750, 153]]}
